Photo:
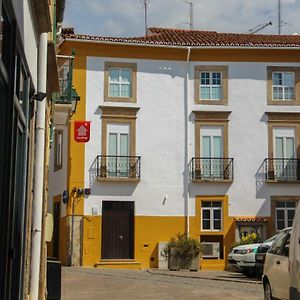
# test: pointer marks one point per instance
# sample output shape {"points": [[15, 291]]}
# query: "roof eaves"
{"points": [[185, 45]]}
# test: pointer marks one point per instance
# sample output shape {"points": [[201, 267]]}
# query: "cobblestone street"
{"points": [[124, 284]]}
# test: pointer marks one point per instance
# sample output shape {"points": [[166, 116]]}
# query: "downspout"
{"points": [[186, 142], [38, 169]]}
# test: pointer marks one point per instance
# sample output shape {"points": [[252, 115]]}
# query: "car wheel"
{"points": [[267, 291]]}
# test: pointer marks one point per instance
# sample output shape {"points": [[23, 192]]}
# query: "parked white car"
{"points": [[295, 257], [243, 258], [276, 279]]}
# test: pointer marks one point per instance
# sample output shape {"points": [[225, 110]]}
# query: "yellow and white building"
{"points": [[191, 131]]}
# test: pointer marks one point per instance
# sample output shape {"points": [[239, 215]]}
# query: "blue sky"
{"points": [[126, 17]]}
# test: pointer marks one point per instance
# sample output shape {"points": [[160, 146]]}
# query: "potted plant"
{"points": [[183, 252]]}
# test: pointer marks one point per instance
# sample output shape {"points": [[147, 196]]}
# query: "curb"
{"points": [[203, 277]]}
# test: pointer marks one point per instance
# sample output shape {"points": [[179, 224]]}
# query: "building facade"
{"points": [[191, 131], [28, 77]]}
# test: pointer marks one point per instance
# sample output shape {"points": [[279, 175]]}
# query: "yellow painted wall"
{"points": [[149, 231], [91, 240], [76, 150]]}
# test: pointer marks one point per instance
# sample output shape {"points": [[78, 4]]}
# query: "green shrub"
{"points": [[185, 246]]}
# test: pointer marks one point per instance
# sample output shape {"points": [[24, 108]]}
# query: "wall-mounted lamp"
{"points": [[165, 199], [39, 96]]}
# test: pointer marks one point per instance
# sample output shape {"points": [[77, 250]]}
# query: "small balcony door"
{"points": [[285, 165], [118, 151], [212, 152]]}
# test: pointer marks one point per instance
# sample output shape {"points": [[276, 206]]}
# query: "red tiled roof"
{"points": [[194, 38]]}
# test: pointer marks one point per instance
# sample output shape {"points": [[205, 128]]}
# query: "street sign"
{"points": [[82, 131]]}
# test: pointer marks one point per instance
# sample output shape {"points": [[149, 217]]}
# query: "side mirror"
{"points": [[286, 250]]}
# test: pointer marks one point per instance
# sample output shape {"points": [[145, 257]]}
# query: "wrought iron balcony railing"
{"points": [[282, 169], [67, 93], [206, 168], [122, 167]]}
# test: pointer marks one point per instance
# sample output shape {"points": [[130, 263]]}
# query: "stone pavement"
{"points": [[212, 275], [92, 283]]}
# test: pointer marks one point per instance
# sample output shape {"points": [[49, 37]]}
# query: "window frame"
{"points": [[223, 70], [133, 84], [281, 198], [283, 69], [211, 209], [58, 150], [283, 86], [285, 209], [211, 85]]}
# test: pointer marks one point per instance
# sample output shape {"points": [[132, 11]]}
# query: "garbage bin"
{"points": [[53, 279]]}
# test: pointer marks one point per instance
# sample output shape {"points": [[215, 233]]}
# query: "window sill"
{"points": [[211, 102], [282, 181], [283, 102], [208, 180], [120, 99], [117, 179]]}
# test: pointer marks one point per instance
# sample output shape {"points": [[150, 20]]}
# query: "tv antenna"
{"points": [[145, 4], [259, 27], [191, 23]]}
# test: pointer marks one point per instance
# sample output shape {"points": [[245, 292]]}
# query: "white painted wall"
{"points": [[28, 35], [160, 139], [58, 179]]}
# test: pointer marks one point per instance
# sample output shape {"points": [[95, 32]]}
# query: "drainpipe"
{"points": [[38, 170], [186, 142]]}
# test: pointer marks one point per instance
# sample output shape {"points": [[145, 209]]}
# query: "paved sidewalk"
{"points": [[211, 275], [80, 283]]}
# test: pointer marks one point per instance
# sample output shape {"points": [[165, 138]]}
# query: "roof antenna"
{"points": [[191, 23], [259, 27], [279, 17], [145, 4]]}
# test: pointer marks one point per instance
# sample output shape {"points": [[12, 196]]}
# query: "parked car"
{"points": [[242, 258], [295, 257], [276, 279], [260, 254]]}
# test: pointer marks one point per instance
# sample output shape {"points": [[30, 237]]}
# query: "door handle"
{"points": [[278, 262], [121, 237]]}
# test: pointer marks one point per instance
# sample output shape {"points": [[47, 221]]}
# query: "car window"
{"points": [[286, 246], [271, 239], [278, 243]]}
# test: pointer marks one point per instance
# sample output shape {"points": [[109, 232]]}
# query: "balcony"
{"points": [[118, 168], [205, 169], [281, 169]]}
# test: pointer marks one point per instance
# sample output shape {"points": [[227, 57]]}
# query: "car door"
{"points": [[282, 271], [276, 266]]}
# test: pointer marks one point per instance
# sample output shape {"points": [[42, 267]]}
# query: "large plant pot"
{"points": [[194, 263], [173, 260], [176, 263]]}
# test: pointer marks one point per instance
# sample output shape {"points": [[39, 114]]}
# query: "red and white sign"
{"points": [[82, 131]]}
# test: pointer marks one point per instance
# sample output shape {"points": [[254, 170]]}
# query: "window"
{"points": [[285, 165], [118, 160], [283, 85], [285, 212], [118, 150], [211, 215], [211, 85], [58, 150], [120, 82], [212, 151]]}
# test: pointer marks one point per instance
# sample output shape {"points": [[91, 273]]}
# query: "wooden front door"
{"points": [[117, 230], [56, 220]]}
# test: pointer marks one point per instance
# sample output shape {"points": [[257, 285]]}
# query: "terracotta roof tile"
{"points": [[194, 38]]}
